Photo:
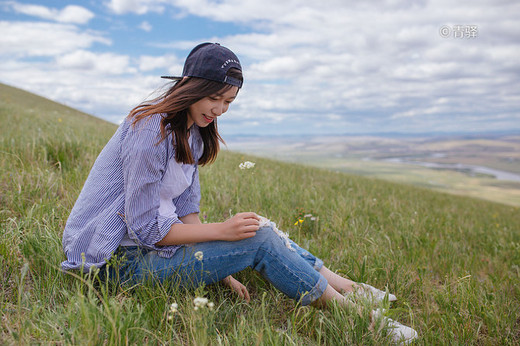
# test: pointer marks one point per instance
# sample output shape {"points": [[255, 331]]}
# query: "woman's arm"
{"points": [[240, 226], [192, 218]]}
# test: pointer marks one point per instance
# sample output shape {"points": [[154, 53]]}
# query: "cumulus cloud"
{"points": [[69, 14], [338, 65], [136, 6], [167, 64], [101, 63], [24, 39], [145, 26], [389, 62]]}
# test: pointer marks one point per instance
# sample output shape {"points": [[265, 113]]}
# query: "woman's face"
{"points": [[206, 110]]}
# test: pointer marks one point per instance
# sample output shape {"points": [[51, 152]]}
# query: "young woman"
{"points": [[141, 200]]}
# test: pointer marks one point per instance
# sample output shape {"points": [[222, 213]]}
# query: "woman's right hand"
{"points": [[237, 287], [240, 226]]}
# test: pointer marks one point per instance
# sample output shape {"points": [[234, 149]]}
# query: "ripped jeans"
{"points": [[291, 269]]}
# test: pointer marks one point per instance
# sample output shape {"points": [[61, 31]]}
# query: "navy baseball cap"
{"points": [[210, 61]]}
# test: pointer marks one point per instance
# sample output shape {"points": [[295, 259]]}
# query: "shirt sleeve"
{"points": [[189, 201], [144, 164]]}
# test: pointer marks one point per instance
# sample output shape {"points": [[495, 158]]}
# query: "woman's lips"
{"points": [[208, 119]]}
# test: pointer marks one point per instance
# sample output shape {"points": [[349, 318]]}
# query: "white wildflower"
{"points": [[199, 255], [246, 165], [174, 307], [201, 302]]}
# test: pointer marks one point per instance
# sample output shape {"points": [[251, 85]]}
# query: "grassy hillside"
{"points": [[453, 262]]}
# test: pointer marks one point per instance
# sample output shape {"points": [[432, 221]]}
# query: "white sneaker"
{"points": [[373, 293], [399, 333]]}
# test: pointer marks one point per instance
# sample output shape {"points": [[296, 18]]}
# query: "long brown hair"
{"points": [[174, 104]]}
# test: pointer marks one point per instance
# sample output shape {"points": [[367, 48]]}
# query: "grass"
{"points": [[453, 262]]}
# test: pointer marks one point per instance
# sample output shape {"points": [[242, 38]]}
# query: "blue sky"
{"points": [[311, 67]]}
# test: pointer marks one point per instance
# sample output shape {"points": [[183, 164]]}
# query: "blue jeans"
{"points": [[292, 271]]}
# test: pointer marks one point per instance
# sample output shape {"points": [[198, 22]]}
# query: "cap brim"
{"points": [[171, 77]]}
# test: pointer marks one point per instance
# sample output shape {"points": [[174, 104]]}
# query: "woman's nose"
{"points": [[218, 109]]}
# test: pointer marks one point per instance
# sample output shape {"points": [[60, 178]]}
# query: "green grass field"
{"points": [[453, 262]]}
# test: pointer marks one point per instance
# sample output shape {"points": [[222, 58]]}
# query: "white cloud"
{"points": [[136, 6], [69, 14], [101, 63], [74, 14], [168, 64], [145, 26], [24, 39], [341, 65], [357, 58]]}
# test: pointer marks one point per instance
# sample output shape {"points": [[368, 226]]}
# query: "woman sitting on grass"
{"points": [[141, 201]]}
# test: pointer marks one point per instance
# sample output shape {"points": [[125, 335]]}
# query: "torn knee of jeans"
{"points": [[284, 236]]}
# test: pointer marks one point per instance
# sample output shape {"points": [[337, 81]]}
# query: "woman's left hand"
{"points": [[237, 287]]}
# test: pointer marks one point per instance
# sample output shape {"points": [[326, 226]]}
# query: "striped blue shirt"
{"points": [[121, 198]]}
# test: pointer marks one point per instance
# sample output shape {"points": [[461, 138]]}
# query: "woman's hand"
{"points": [[240, 226], [237, 287]]}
